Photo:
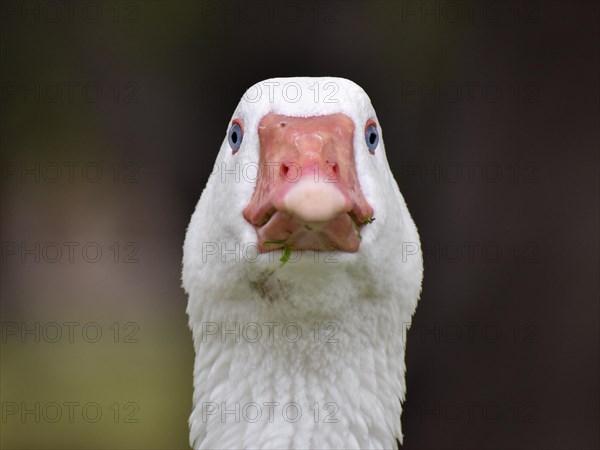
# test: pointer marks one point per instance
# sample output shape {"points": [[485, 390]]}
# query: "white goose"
{"points": [[298, 345]]}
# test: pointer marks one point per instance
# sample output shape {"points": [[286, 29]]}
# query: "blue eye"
{"points": [[235, 137], [372, 138]]}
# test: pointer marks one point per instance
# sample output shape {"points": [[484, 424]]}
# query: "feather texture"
{"points": [[345, 373]]}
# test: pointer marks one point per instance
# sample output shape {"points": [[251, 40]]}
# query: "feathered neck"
{"points": [[283, 362]]}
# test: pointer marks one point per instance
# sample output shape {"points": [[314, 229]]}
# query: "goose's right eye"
{"points": [[235, 137]]}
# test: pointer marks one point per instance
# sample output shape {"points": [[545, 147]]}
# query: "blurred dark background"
{"points": [[112, 112]]}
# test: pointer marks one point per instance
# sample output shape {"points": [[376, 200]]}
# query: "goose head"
{"points": [[301, 222]]}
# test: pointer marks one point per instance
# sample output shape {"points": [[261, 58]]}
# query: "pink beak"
{"points": [[307, 194]]}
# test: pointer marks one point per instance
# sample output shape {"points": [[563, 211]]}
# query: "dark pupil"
{"points": [[234, 137], [372, 138]]}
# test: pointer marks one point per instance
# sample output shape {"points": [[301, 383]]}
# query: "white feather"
{"points": [[370, 296]]}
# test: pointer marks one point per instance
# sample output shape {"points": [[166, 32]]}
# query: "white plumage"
{"points": [[252, 374]]}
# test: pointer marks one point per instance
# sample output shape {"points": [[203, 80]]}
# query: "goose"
{"points": [[302, 277]]}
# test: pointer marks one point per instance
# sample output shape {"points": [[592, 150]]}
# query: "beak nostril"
{"points": [[284, 169], [335, 168]]}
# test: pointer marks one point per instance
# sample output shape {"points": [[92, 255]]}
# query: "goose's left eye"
{"points": [[235, 137], [372, 138]]}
